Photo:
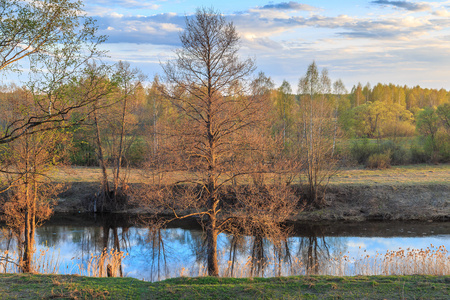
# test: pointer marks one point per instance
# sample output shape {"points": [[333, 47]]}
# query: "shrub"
{"points": [[137, 152], [399, 129], [418, 154], [398, 153], [443, 145], [361, 150], [427, 149], [379, 161], [83, 154]]}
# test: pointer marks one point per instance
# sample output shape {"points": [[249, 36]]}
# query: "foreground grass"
{"points": [[26, 286]]}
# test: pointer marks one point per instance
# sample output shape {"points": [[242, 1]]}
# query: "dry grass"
{"points": [[397, 175], [104, 263], [429, 261], [44, 262]]}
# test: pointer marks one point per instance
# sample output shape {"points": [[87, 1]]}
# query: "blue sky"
{"points": [[400, 42]]}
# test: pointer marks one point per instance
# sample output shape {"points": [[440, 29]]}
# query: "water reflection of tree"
{"points": [[274, 256], [282, 251], [7, 244], [237, 243], [260, 251], [158, 265], [110, 233], [315, 249], [198, 247], [111, 240]]}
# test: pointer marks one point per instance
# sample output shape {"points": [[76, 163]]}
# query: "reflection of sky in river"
{"points": [[183, 248], [381, 245]]}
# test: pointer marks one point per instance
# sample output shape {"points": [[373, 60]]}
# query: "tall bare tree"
{"points": [[215, 135], [317, 128]]}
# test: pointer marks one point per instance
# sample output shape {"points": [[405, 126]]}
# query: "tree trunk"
{"points": [[119, 151], [105, 184], [211, 244], [28, 245]]}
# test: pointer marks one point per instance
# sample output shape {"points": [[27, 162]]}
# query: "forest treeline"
{"points": [[410, 125]]}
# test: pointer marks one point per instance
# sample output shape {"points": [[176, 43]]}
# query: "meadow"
{"points": [[31, 286]]}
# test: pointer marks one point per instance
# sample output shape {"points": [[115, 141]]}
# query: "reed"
{"points": [[430, 261], [44, 262], [434, 260], [106, 264]]}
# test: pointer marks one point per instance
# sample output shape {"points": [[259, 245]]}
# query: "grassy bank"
{"points": [[25, 286]]}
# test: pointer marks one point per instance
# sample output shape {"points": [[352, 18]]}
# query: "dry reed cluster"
{"points": [[44, 262], [430, 261], [106, 264]]}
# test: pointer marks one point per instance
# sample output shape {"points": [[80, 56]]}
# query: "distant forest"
{"points": [[405, 124]]}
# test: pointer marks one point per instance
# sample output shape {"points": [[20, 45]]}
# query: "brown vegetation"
{"points": [[29, 196]]}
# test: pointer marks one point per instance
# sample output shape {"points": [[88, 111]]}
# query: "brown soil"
{"points": [[425, 202], [386, 202]]}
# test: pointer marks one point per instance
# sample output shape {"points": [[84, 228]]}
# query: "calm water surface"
{"points": [[179, 250]]}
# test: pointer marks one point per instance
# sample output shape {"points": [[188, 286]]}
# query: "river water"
{"points": [[72, 244]]}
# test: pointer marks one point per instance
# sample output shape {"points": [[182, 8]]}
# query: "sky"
{"points": [[399, 42]]}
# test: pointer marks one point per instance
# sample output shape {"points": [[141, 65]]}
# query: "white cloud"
{"points": [[170, 27], [116, 15], [285, 40], [442, 13]]}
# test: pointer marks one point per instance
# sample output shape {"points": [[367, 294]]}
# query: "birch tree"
{"points": [[54, 39]]}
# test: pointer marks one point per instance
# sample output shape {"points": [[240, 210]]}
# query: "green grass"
{"points": [[26, 286]]}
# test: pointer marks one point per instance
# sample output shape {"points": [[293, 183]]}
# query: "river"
{"points": [[70, 244]]}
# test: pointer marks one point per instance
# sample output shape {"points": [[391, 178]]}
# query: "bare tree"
{"points": [[212, 139], [28, 195], [317, 129], [115, 126]]}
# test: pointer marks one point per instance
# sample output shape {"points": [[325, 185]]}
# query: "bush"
{"points": [[361, 151], [399, 129], [426, 150], [83, 154], [398, 154], [379, 161], [137, 153], [443, 145], [418, 154]]}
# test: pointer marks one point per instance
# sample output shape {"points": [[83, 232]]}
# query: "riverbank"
{"points": [[419, 192], [29, 286]]}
